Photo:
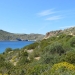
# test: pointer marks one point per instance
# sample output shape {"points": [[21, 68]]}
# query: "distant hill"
{"points": [[7, 36]]}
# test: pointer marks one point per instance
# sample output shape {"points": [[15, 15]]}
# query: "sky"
{"points": [[36, 16]]}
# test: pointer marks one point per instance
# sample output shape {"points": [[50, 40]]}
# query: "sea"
{"points": [[13, 44]]}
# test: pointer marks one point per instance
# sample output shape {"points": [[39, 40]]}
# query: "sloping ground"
{"points": [[37, 58], [30, 51], [51, 56], [69, 31]]}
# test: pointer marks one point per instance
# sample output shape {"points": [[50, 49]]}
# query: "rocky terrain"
{"points": [[69, 31]]}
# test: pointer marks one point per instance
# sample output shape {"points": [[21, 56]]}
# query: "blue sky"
{"points": [[36, 16]]}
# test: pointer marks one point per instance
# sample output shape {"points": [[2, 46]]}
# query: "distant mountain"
{"points": [[7, 36], [69, 31]]}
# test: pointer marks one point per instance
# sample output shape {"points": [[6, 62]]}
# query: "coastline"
{"points": [[16, 40]]}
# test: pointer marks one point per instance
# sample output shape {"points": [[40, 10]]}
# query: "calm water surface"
{"points": [[13, 44]]}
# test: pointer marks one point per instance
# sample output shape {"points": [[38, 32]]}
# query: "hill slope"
{"points": [[69, 31], [52, 56]]}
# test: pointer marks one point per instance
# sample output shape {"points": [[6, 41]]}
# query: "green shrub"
{"points": [[67, 37], [23, 61], [47, 58], [55, 48], [72, 42], [61, 36], [2, 61], [62, 68], [52, 53], [31, 46], [8, 50], [37, 69], [24, 54], [70, 57]]}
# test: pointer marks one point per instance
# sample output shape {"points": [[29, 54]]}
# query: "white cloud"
{"points": [[54, 18], [46, 12], [50, 15]]}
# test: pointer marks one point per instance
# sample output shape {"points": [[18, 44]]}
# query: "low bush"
{"points": [[70, 56]]}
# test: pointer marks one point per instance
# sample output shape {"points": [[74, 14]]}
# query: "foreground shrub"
{"points": [[64, 65], [52, 53], [62, 68], [37, 69], [70, 57], [54, 48], [72, 41]]}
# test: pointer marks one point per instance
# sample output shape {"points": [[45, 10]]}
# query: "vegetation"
{"points": [[52, 56]]}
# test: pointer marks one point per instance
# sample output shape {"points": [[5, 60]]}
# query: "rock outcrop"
{"points": [[52, 33]]}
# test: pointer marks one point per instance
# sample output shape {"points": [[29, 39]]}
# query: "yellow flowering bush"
{"points": [[4, 74], [62, 68], [63, 64]]}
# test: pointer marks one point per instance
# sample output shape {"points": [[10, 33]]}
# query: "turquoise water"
{"points": [[13, 44]]}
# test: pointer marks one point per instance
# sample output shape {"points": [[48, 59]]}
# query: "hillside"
{"points": [[52, 56], [6, 36], [69, 31]]}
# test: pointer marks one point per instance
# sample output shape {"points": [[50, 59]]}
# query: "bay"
{"points": [[13, 44]]}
